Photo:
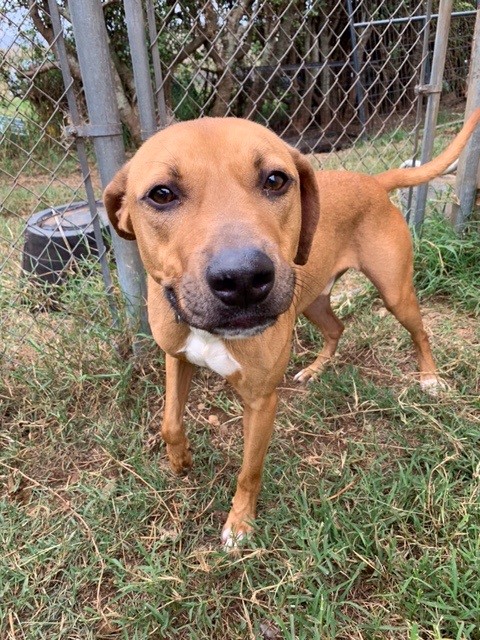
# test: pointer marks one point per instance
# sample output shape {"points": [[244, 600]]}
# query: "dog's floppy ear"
{"points": [[310, 206], [114, 200]]}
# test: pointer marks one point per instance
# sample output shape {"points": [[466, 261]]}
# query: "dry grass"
{"points": [[368, 519]]}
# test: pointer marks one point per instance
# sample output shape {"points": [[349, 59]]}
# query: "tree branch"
{"points": [[189, 49], [41, 68]]}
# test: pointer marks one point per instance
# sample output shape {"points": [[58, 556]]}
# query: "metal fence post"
{"points": [[468, 174], [157, 66], [427, 18], [141, 68], [357, 70], [434, 90], [95, 66], [61, 53]]}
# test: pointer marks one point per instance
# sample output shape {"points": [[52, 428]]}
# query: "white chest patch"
{"points": [[206, 350]]}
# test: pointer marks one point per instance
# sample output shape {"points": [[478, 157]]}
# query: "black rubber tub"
{"points": [[58, 240]]}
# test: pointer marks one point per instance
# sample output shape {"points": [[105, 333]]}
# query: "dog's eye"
{"points": [[276, 182], [161, 195]]}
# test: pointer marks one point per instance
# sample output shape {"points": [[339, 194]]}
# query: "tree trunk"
{"points": [[128, 113], [305, 116], [228, 48], [221, 106], [259, 87]]}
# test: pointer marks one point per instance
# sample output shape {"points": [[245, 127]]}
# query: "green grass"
{"points": [[369, 516], [449, 264], [24, 189]]}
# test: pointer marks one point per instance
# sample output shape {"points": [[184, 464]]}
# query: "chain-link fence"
{"points": [[324, 75], [55, 281], [343, 81]]}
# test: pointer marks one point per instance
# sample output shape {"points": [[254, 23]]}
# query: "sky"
{"points": [[11, 23]]}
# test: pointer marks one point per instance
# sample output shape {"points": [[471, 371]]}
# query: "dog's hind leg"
{"points": [[178, 378], [321, 315], [390, 268], [403, 304]]}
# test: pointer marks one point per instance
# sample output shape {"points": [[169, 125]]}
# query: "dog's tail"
{"points": [[397, 178]]}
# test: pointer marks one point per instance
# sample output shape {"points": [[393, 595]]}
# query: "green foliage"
{"points": [[273, 112], [187, 96], [197, 42]]}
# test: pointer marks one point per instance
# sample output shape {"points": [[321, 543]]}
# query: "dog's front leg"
{"points": [[258, 419], [178, 378]]}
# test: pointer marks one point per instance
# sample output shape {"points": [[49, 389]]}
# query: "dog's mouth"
{"points": [[244, 326], [172, 300], [243, 323]]}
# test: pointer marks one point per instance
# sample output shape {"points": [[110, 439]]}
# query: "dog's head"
{"points": [[222, 210]]}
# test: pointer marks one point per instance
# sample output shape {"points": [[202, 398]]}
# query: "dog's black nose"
{"points": [[241, 277]]}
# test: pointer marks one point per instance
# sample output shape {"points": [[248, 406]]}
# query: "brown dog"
{"points": [[225, 215]]}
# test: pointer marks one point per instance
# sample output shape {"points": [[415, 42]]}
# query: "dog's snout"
{"points": [[241, 277]]}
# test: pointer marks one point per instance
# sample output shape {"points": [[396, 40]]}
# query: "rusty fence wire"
{"points": [[345, 82], [326, 76]]}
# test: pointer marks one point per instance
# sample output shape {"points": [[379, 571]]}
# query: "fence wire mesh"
{"points": [[325, 76], [49, 256], [337, 79]]}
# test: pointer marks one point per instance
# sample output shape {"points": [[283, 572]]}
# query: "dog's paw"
{"points": [[433, 385], [305, 376], [180, 458], [232, 540], [236, 529]]}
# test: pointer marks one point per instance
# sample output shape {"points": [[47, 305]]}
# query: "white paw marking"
{"points": [[298, 377], [230, 540], [206, 350], [432, 385], [305, 376]]}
